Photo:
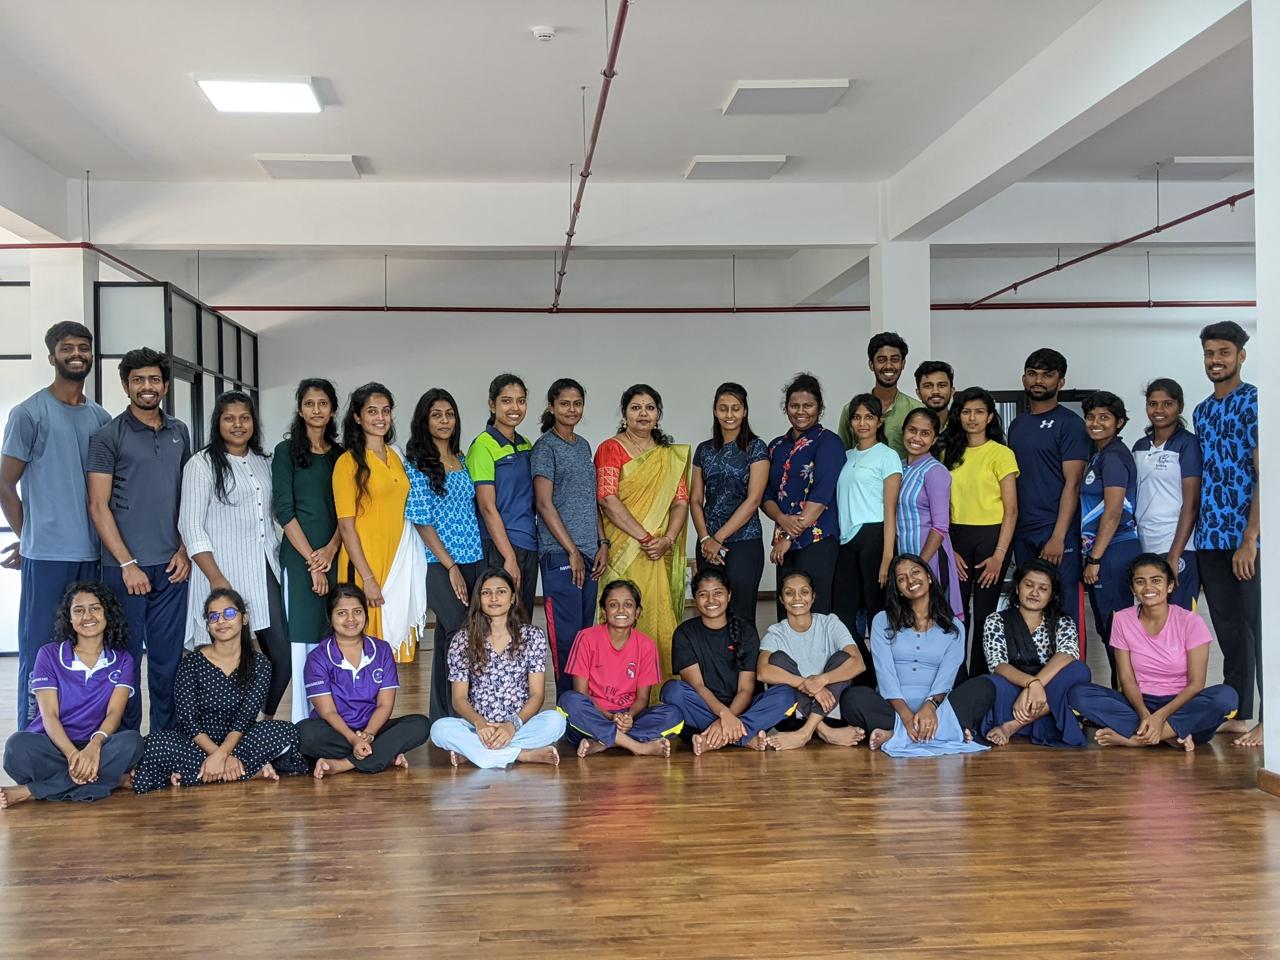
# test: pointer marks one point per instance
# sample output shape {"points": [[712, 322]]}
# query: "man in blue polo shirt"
{"points": [[1227, 532], [42, 494], [135, 479], [1052, 447]]}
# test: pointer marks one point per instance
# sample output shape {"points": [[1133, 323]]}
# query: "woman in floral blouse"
{"points": [[804, 465], [497, 674]]}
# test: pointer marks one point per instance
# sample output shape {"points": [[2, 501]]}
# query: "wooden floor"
{"points": [[823, 852]]}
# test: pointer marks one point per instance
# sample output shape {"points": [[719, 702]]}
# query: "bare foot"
{"points": [[126, 782], [10, 796], [1251, 739], [268, 772], [454, 757], [322, 767], [1106, 737], [999, 736], [175, 779], [401, 761], [543, 755], [1233, 726], [878, 738], [1186, 743], [759, 742], [588, 746], [654, 748], [840, 736], [791, 740], [331, 768], [703, 744]]}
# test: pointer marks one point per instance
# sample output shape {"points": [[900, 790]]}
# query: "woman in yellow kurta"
{"points": [[643, 490], [379, 549]]}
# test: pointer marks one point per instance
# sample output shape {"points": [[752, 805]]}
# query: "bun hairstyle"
{"points": [[644, 390]]}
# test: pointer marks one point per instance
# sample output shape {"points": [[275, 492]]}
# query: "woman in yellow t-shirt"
{"points": [[984, 507]]}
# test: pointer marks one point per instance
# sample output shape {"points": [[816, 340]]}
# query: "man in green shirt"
{"points": [[886, 358]]}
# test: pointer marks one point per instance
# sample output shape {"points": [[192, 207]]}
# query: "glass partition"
{"points": [[185, 336], [130, 315]]}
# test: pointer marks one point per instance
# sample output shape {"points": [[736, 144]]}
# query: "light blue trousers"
{"points": [[540, 730]]}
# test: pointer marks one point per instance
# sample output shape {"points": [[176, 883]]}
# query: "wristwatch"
{"points": [[1093, 561], [515, 721]]}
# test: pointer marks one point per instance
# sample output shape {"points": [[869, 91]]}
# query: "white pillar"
{"points": [[899, 273], [1264, 352], [61, 289]]}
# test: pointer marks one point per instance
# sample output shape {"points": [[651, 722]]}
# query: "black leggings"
{"points": [[858, 590], [743, 568], [319, 741], [819, 561], [870, 711], [973, 544], [450, 613], [275, 646]]}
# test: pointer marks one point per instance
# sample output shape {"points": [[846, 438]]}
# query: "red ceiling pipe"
{"points": [[609, 72], [1092, 304], [1013, 287], [81, 246]]}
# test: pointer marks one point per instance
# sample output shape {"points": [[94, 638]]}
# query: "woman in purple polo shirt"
{"points": [[218, 693], [74, 749], [351, 683]]}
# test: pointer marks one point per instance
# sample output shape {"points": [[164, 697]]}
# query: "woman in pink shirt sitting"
{"points": [[1162, 657]]}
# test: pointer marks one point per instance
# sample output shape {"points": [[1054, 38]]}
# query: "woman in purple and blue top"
{"points": [[351, 683], [74, 748], [804, 465], [924, 506], [730, 473], [218, 693]]}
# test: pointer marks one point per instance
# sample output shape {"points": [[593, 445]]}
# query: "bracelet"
{"points": [[604, 542], [702, 540], [128, 563], [105, 736], [449, 568], [515, 721], [648, 538]]}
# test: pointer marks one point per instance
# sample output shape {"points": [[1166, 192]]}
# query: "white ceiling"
{"points": [[1208, 114], [460, 91]]}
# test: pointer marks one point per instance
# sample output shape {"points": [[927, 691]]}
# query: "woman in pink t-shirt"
{"points": [[1162, 657], [614, 668]]}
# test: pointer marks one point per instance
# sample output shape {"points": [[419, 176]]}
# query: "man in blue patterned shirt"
{"points": [[1226, 423]]}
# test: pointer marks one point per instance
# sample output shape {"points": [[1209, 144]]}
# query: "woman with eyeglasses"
{"points": [[218, 693]]}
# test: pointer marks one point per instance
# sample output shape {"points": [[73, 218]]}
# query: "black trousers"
{"points": [[973, 544], [319, 741], [970, 700], [819, 561], [275, 646], [858, 590], [1235, 606], [450, 614], [527, 561], [743, 567]]}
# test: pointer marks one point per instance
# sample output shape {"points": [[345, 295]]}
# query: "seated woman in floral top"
{"points": [[497, 673]]}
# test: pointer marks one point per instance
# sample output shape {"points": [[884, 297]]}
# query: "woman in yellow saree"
{"points": [[643, 490]]}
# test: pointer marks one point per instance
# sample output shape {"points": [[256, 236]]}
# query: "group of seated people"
{"points": [[907, 695]]}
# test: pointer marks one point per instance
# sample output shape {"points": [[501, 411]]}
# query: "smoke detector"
{"points": [[544, 34]]}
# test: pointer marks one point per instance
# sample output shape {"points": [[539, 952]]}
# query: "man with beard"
{"points": [[1226, 424], [886, 358], [1051, 446], [135, 478], [42, 494], [935, 386]]}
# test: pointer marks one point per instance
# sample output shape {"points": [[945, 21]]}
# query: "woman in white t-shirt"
{"points": [[1162, 659]]}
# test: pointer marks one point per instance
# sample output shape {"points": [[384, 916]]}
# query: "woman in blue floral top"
{"points": [[442, 505], [804, 465], [730, 473], [497, 674]]}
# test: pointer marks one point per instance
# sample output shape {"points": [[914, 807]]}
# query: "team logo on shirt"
{"points": [[378, 675], [1046, 424], [1089, 478], [114, 676], [631, 670]]}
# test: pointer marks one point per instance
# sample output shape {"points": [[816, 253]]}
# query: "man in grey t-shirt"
{"points": [[42, 494]]}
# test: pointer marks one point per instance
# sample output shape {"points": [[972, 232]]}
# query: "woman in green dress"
{"points": [[302, 495]]}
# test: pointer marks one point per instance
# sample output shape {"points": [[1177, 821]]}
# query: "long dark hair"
{"points": [[1056, 608], [553, 394], [719, 576], [478, 628], [874, 407], [353, 435], [116, 635], [421, 450], [1174, 389], [299, 444], [244, 671], [217, 447], [745, 434], [954, 440], [643, 389], [497, 385], [898, 610]]}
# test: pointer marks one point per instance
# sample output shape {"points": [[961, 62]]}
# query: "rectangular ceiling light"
{"points": [[785, 96], [730, 167], [260, 94], [309, 166]]}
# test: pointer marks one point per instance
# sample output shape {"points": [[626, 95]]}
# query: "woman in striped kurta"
{"points": [[225, 521], [924, 505]]}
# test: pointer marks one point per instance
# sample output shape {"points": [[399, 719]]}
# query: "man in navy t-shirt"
{"points": [[1227, 531], [1051, 446]]}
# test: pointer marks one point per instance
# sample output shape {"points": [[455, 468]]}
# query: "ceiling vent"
{"points": [[730, 167], [309, 166], [785, 96]]}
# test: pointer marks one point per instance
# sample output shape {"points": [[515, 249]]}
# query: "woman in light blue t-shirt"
{"points": [[867, 493]]}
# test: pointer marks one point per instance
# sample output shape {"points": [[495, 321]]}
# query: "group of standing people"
{"points": [[904, 519]]}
